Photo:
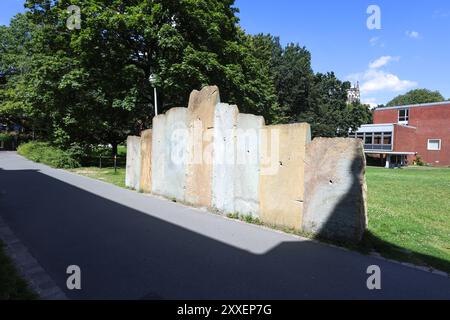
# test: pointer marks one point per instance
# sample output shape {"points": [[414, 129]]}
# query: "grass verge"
{"points": [[104, 174]]}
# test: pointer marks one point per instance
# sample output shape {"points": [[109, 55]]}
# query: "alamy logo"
{"points": [[74, 20], [374, 20], [374, 281], [74, 280]]}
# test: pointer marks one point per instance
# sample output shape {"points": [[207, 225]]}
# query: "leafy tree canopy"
{"points": [[302, 95], [90, 86], [416, 97]]}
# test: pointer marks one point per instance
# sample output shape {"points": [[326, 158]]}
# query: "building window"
{"points": [[378, 138], [403, 116], [434, 144], [387, 138]]}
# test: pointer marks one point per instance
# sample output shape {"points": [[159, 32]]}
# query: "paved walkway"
{"points": [[134, 246]]}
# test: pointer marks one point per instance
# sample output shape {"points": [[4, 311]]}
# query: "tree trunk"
{"points": [[114, 148]]}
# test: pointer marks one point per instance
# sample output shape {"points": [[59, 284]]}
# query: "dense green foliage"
{"points": [[90, 86], [12, 286], [417, 96], [6, 137], [44, 153], [302, 95]]}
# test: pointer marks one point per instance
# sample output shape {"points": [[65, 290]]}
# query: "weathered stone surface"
{"points": [[224, 157], [202, 105], [283, 152], [335, 198], [158, 154], [176, 141], [146, 161], [133, 167], [246, 182]]}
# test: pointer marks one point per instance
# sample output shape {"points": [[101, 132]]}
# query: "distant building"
{"points": [[401, 134], [354, 94]]}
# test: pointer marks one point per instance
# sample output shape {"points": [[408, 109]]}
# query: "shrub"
{"points": [[6, 137], [43, 152], [419, 161]]}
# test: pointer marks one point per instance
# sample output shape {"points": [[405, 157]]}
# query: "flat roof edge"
{"points": [[389, 152], [431, 104]]}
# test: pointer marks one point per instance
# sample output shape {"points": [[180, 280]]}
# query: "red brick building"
{"points": [[400, 135]]}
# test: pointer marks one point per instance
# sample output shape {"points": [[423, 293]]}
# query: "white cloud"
{"points": [[372, 102], [380, 80], [376, 41], [382, 61], [441, 14], [376, 80], [413, 34]]}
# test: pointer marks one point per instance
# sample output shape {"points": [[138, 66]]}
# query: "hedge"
{"points": [[44, 153]]}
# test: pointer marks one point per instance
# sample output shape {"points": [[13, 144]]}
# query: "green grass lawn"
{"points": [[409, 212], [12, 286], [103, 174], [409, 215]]}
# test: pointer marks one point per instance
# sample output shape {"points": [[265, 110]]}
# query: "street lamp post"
{"points": [[152, 80]]}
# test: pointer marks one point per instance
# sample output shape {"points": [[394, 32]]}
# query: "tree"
{"points": [[91, 85], [329, 114], [14, 61], [291, 74], [320, 99], [416, 97]]}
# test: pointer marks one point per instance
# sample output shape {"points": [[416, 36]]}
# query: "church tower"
{"points": [[354, 94]]}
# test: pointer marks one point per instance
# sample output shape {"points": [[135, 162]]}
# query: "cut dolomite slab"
{"points": [[246, 182], [176, 141], [146, 161], [158, 154], [202, 106], [335, 189], [133, 167], [282, 176], [224, 167]]}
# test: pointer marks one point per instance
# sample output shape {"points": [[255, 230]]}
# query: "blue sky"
{"points": [[411, 50]]}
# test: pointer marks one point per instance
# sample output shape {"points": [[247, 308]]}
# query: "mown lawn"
{"points": [[103, 174], [409, 215], [12, 286]]}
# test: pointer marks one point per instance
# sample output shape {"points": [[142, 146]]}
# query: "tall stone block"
{"points": [[158, 154], [224, 157], [246, 182], [176, 141], [336, 201], [202, 105], [282, 193], [146, 161], [133, 166]]}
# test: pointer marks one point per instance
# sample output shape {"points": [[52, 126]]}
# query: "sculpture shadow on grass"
{"points": [[342, 213]]}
